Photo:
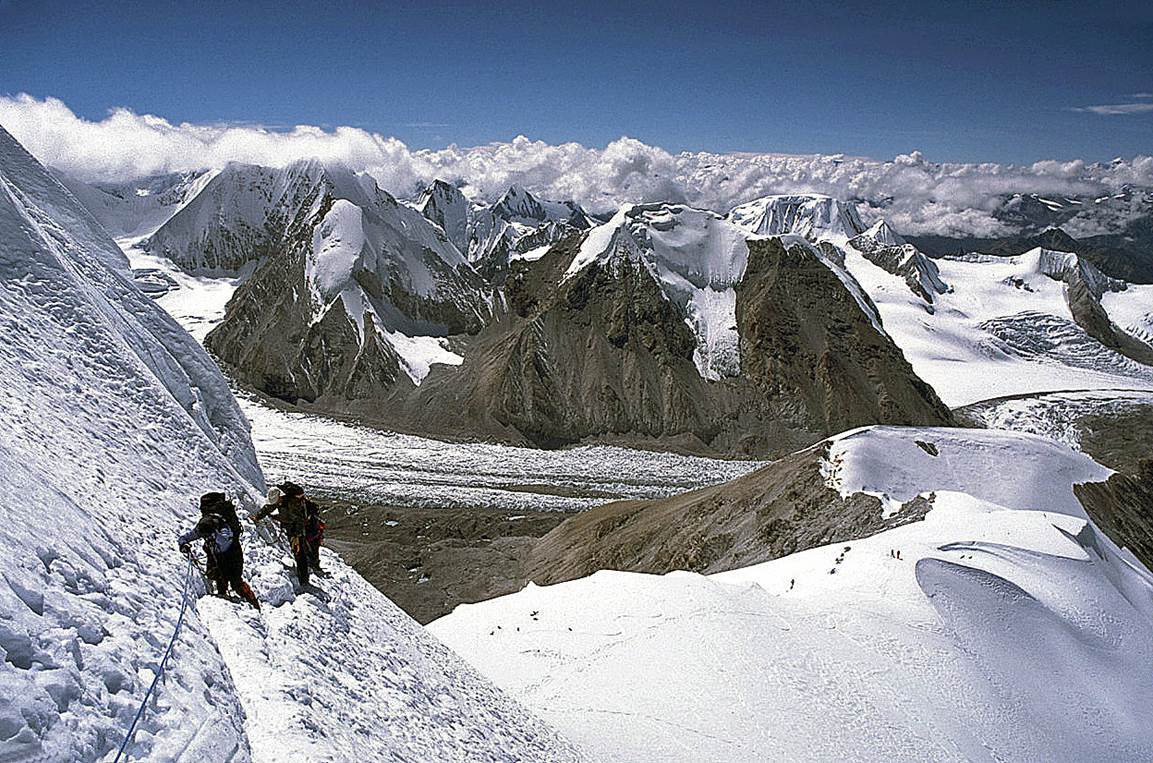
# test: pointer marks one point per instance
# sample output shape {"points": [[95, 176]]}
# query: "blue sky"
{"points": [[965, 82]]}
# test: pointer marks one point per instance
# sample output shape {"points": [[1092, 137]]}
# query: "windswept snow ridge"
{"points": [[1009, 628]]}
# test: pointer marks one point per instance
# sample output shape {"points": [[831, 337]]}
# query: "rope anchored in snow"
{"points": [[163, 662]]}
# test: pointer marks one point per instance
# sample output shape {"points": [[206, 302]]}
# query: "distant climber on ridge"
{"points": [[219, 528]]}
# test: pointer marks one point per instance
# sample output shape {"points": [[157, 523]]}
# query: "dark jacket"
{"points": [[291, 513]]}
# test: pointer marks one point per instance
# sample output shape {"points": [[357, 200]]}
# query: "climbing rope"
{"points": [[163, 662]]}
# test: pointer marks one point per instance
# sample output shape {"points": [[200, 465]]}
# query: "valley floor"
{"points": [[433, 524]]}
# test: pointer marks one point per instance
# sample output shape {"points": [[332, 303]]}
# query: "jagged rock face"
{"points": [[775, 511], [882, 246], [446, 206], [518, 205], [1122, 506], [804, 336], [269, 341], [605, 354]]}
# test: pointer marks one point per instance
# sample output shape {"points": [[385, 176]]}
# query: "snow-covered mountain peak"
{"points": [[445, 205], [701, 247], [883, 233], [815, 216], [697, 258], [517, 205]]}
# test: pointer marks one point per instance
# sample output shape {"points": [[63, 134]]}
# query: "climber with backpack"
{"points": [[219, 528], [293, 513]]}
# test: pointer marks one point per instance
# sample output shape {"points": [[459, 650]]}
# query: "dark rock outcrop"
{"points": [[778, 510], [1122, 507]]}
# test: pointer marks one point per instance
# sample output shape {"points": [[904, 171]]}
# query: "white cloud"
{"points": [[1113, 109], [916, 195]]}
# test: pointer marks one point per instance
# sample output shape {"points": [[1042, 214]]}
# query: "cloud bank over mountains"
{"points": [[916, 195]]}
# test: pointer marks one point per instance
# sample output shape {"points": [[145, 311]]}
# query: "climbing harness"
{"points": [[163, 662]]}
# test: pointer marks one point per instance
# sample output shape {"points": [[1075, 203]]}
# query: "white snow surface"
{"points": [[113, 416], [1010, 628], [133, 210], [1003, 327], [197, 302], [114, 419], [337, 245], [1131, 310], [813, 216]]}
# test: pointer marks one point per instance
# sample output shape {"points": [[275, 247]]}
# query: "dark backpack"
{"points": [[314, 525], [219, 504]]}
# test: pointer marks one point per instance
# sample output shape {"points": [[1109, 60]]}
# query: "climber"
{"points": [[219, 528], [291, 507]]}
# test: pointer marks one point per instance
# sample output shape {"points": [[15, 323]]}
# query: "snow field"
{"points": [[999, 633], [1002, 328]]}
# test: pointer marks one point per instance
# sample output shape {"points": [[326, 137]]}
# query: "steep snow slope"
{"points": [[342, 674], [134, 210], [114, 419], [1010, 628]]}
